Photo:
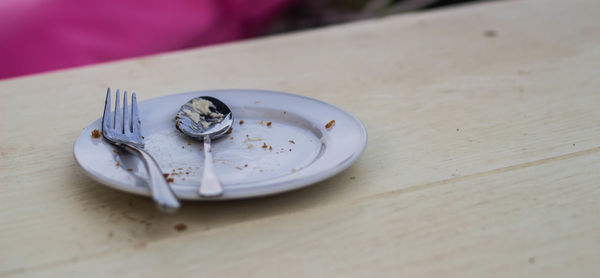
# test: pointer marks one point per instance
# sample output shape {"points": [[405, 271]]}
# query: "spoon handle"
{"points": [[210, 186]]}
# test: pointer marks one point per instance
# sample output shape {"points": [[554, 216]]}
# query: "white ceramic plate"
{"points": [[300, 149]]}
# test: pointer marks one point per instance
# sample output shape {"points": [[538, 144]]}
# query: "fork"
{"points": [[123, 129]]}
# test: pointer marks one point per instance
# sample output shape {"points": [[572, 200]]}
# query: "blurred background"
{"points": [[44, 35]]}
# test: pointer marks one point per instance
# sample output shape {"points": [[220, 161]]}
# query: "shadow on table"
{"points": [[137, 217]]}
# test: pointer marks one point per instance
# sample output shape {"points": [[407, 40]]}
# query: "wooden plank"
{"points": [[538, 219], [440, 100]]}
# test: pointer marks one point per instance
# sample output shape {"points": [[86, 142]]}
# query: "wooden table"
{"points": [[483, 157]]}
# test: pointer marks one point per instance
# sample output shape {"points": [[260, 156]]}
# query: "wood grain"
{"points": [[445, 107], [495, 224]]}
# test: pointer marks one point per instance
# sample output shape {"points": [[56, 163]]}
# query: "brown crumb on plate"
{"points": [[241, 122], [264, 146], [165, 175], [170, 180], [330, 124], [292, 141], [269, 123], [229, 131], [130, 170], [96, 133], [118, 164]]}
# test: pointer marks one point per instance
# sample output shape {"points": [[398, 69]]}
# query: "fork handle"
{"points": [[161, 191], [210, 186]]}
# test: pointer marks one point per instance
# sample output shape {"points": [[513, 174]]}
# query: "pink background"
{"points": [[42, 35]]}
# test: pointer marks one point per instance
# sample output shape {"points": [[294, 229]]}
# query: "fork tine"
{"points": [[126, 115], [118, 113], [107, 120], [135, 117]]}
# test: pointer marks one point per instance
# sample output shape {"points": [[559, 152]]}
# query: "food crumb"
{"points": [[189, 143], [292, 141], [115, 151], [187, 172], [252, 139], [229, 131], [231, 138], [250, 146], [489, 33], [457, 129], [284, 113], [293, 170], [239, 168], [262, 122], [180, 227], [182, 147], [130, 170], [165, 175], [245, 165], [352, 178], [264, 146], [241, 122], [170, 180], [330, 124], [271, 147], [96, 133], [118, 164], [290, 150], [269, 123]]}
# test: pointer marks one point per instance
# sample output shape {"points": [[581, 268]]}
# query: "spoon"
{"points": [[205, 118]]}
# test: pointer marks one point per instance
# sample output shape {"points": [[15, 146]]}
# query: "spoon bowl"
{"points": [[217, 126], [205, 118]]}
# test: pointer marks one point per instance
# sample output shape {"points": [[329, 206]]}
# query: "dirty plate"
{"points": [[279, 142]]}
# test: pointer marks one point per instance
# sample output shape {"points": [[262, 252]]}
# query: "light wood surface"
{"points": [[483, 157]]}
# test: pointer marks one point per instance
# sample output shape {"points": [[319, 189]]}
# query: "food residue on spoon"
{"points": [[200, 108]]}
